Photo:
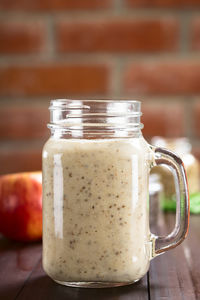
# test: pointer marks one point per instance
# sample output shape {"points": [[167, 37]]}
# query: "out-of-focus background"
{"points": [[136, 49]]}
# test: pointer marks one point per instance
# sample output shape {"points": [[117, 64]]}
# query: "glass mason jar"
{"points": [[96, 167]]}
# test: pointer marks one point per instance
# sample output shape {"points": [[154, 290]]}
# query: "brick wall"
{"points": [[147, 50]]}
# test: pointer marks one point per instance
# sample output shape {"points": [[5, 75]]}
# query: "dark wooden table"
{"points": [[174, 275]]}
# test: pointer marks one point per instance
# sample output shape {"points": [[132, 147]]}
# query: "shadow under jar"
{"points": [[96, 168]]}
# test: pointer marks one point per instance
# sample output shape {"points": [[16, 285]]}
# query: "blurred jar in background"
{"points": [[183, 148], [155, 196]]}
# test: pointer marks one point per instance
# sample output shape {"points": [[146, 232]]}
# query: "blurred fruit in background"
{"points": [[21, 206]]}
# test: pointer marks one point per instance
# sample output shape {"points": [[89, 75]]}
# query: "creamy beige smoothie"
{"points": [[95, 218]]}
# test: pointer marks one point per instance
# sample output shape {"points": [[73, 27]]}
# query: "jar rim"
{"points": [[95, 115], [75, 103], [64, 100]]}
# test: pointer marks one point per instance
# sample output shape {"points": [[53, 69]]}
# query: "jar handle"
{"points": [[164, 243]]}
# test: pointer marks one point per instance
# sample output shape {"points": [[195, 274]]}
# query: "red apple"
{"points": [[21, 206]]}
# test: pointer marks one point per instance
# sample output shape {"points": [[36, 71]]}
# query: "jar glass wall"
{"points": [[96, 167]]}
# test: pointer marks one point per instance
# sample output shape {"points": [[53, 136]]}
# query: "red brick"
{"points": [[53, 5], [15, 158], [163, 120], [196, 114], [25, 122], [118, 35], [53, 80], [164, 3], [162, 78], [195, 34], [21, 37]]}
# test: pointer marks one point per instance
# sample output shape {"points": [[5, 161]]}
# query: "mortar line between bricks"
{"points": [[154, 99], [99, 58], [31, 102], [15, 145], [188, 120], [184, 33], [194, 137], [34, 101], [99, 13], [118, 5], [51, 37], [116, 79]]}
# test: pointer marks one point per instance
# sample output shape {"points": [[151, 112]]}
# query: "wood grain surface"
{"points": [[174, 275]]}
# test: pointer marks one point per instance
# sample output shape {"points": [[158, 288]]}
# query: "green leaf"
{"points": [[169, 204], [195, 203]]}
